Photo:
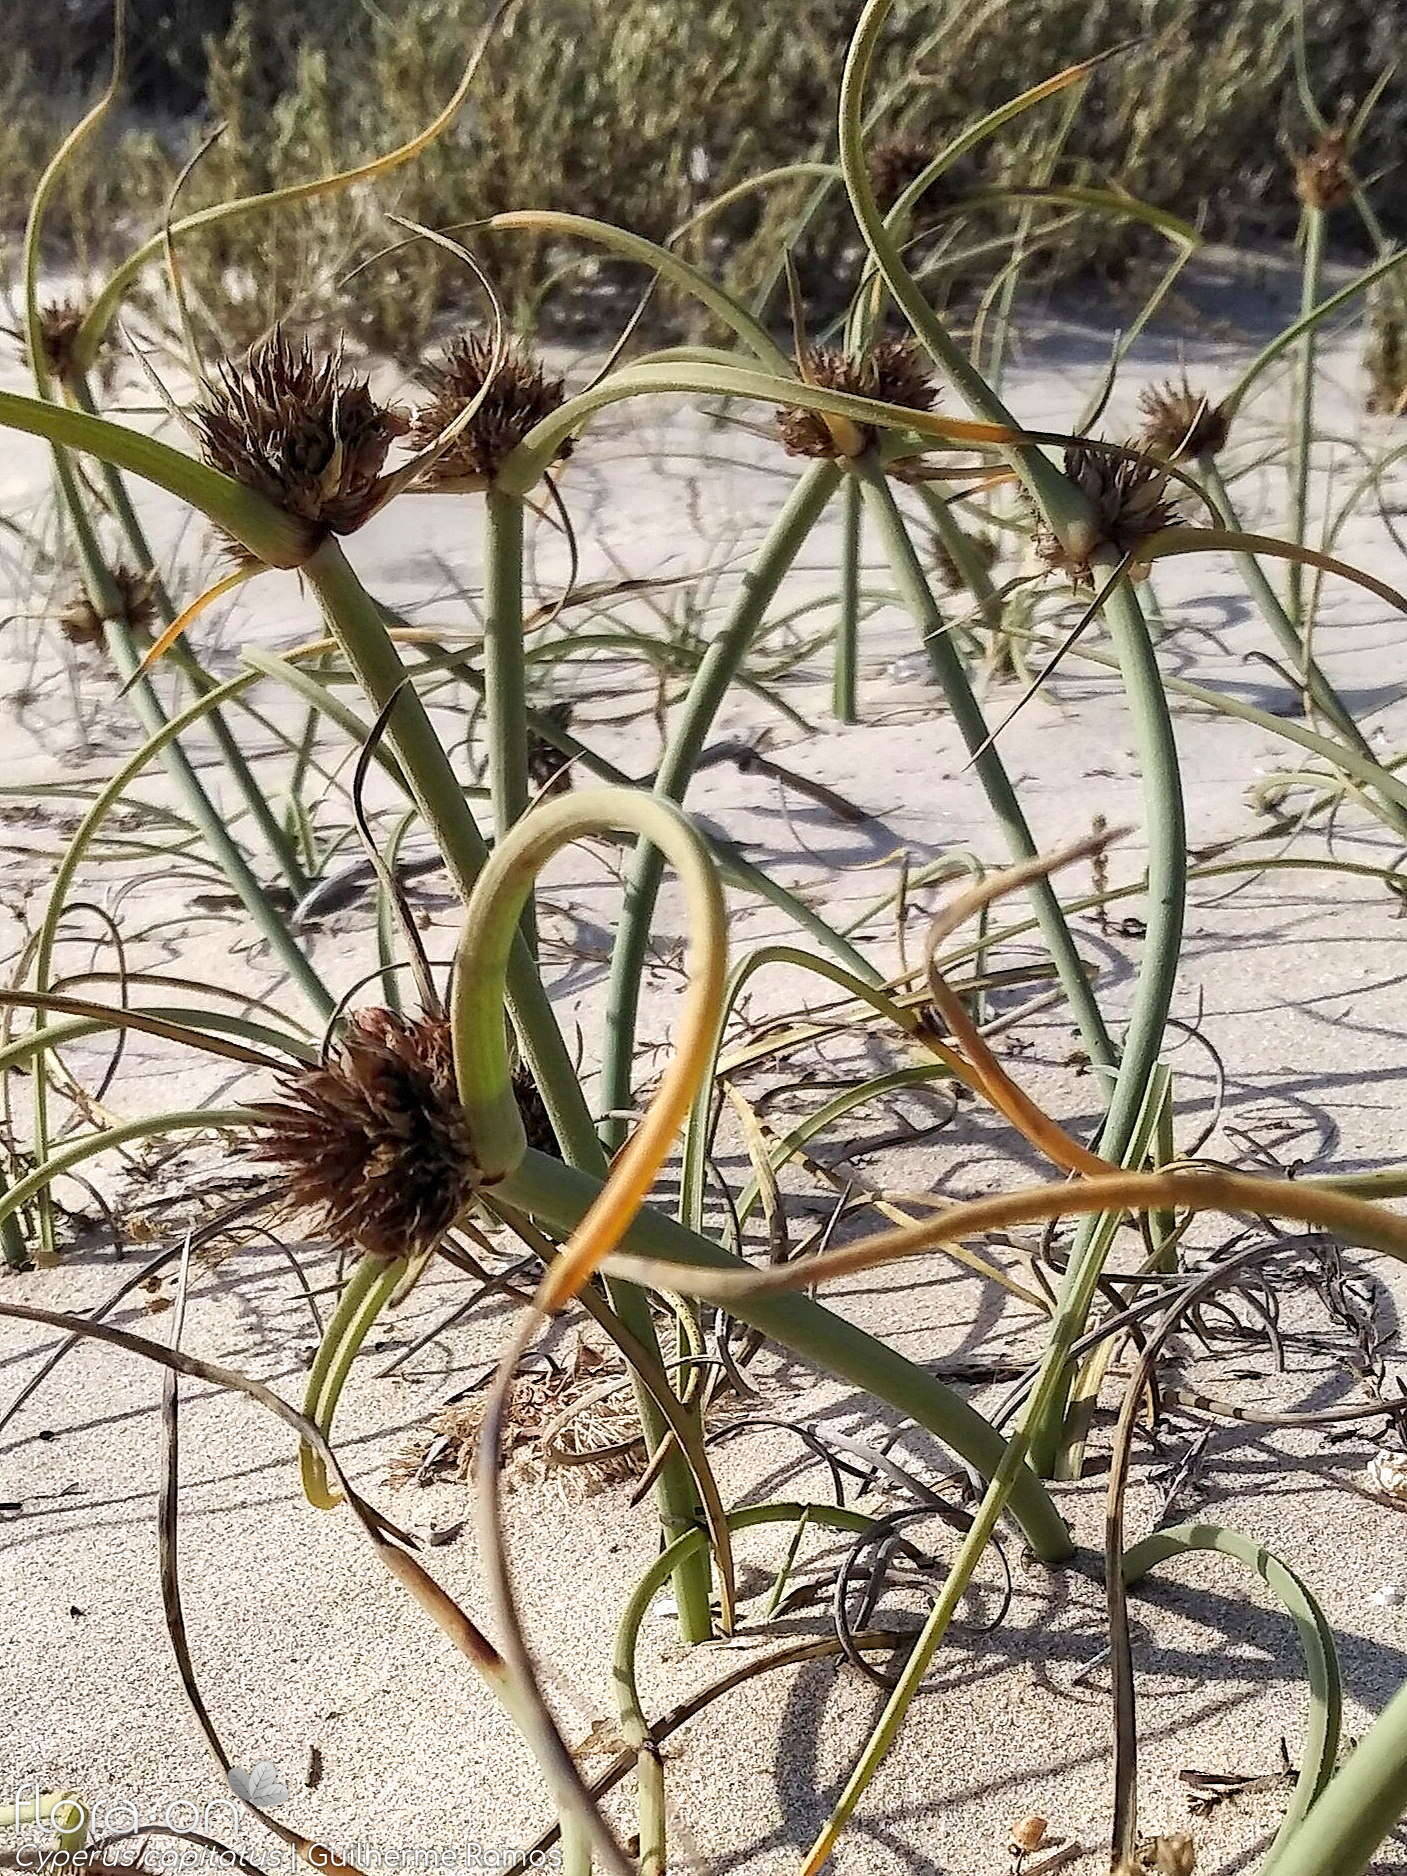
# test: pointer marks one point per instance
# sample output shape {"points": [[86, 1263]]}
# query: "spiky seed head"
{"points": [[982, 547], [894, 371], [1323, 177], [519, 397], [82, 624], [1125, 494], [894, 162], [60, 322], [1179, 422], [374, 1141], [549, 771], [302, 432]]}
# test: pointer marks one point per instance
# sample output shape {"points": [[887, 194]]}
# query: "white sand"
{"points": [[301, 1640]]}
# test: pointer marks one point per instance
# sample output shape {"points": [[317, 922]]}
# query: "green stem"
{"points": [[1321, 1736], [505, 682], [634, 1726], [710, 685], [847, 632], [1166, 835], [991, 771], [372, 1284], [1311, 281], [275, 837], [356, 621], [98, 583], [1362, 1804], [505, 676], [561, 1195]]}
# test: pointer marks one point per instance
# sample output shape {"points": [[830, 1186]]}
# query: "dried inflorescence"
{"points": [[82, 624], [374, 1140], [982, 547], [1126, 496], [1323, 177], [60, 322], [894, 371], [895, 162], [519, 397], [301, 432], [549, 771], [1177, 421]]}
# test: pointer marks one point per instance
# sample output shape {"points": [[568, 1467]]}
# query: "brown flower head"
{"points": [[519, 397], [374, 1140], [301, 432], [1177, 422], [1323, 178], [82, 624], [549, 771], [894, 371], [983, 548], [894, 162], [60, 322], [1126, 496]]}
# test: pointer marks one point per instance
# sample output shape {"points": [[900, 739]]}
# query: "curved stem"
{"points": [[365, 1295], [562, 1195], [275, 836], [1362, 1803], [486, 1090], [1061, 503], [476, 1009], [355, 621], [715, 673], [634, 1726], [1165, 830], [991, 771]]}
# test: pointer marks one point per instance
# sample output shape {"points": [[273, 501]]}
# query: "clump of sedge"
{"points": [[82, 624], [301, 432], [1178, 422], [1126, 496], [520, 395], [374, 1141], [893, 371]]}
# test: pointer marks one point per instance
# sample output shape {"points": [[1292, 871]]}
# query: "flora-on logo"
{"points": [[260, 1785]]}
